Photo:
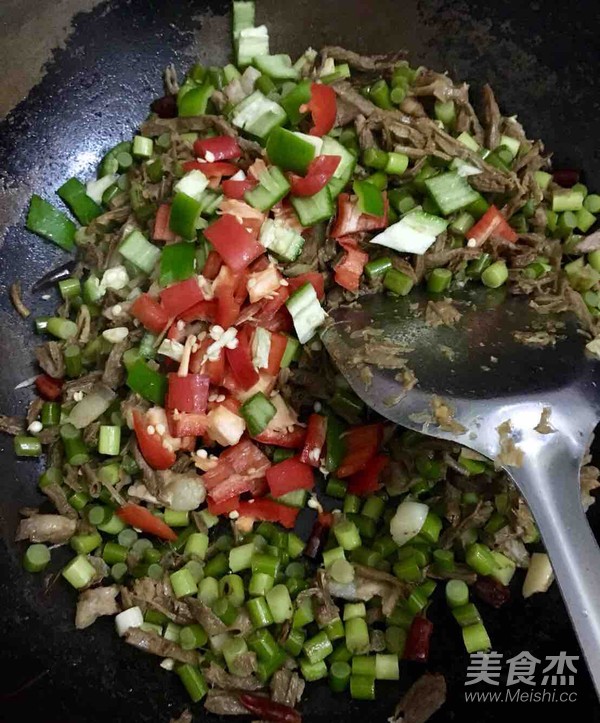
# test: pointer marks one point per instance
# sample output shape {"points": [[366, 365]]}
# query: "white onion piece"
{"points": [[95, 188], [185, 493], [218, 641], [234, 92], [539, 575], [465, 169], [345, 591], [225, 427], [408, 521], [131, 618], [91, 407], [248, 79]]}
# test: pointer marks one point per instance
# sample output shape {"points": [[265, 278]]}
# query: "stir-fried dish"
{"points": [[190, 416]]}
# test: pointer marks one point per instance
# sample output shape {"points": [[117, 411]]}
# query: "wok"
{"points": [[541, 59]]}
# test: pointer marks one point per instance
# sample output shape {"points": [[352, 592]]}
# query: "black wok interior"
{"points": [[542, 61]]}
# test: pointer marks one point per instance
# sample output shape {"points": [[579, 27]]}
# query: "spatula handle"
{"points": [[550, 482]]}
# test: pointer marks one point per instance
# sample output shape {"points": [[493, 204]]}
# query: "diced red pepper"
{"points": [[284, 212], [320, 170], [143, 519], [248, 315], [492, 223], [222, 148], [189, 393], [240, 293], [229, 403], [266, 709], [362, 444], [188, 443], [187, 424], [174, 333], [261, 263], [288, 440], [311, 277], [349, 270], [237, 189], [233, 486], [225, 287], [350, 220], [243, 458], [151, 445], [265, 384], [279, 344], [179, 297], [258, 487], [220, 473], [224, 507], [236, 472], [270, 511], [323, 108], [212, 266], [235, 244], [250, 218], [151, 314], [245, 332], [237, 485], [417, 640], [226, 281], [366, 481], [240, 362], [48, 387], [289, 475], [213, 368], [281, 322], [232, 404], [211, 170], [316, 433], [262, 283], [272, 306], [202, 311], [162, 230]]}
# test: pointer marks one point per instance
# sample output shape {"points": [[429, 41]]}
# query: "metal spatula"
{"points": [[501, 362]]}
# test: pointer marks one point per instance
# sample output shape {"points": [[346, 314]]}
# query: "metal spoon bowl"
{"points": [[500, 362]]}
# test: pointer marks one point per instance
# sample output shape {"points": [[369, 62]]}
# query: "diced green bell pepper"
{"points": [[50, 223]]}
